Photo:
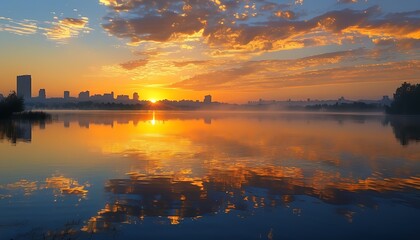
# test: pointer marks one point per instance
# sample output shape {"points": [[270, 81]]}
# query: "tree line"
{"points": [[10, 105], [406, 100]]}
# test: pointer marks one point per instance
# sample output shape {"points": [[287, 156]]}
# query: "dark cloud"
{"points": [[401, 44], [228, 24], [154, 28]]}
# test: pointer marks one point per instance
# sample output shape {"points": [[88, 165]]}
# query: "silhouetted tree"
{"points": [[11, 104], [406, 100]]}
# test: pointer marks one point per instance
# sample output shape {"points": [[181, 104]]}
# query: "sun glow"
{"points": [[153, 100]]}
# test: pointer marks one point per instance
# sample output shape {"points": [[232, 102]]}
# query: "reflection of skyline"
{"points": [[85, 119]]}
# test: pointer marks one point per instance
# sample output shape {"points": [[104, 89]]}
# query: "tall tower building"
{"points": [[24, 86], [207, 99]]}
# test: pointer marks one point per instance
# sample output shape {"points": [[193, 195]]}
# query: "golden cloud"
{"points": [[67, 28], [227, 25], [275, 74], [24, 27]]}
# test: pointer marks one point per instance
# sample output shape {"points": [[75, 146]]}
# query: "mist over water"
{"points": [[207, 175]]}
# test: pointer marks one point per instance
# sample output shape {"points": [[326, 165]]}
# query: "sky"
{"points": [[234, 50]]}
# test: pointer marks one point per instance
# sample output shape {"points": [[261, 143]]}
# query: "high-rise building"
{"points": [[66, 95], [136, 96], [42, 94], [24, 87], [207, 99]]}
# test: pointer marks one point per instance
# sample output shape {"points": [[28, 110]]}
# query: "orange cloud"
{"points": [[134, 64], [229, 26], [185, 63], [320, 70], [285, 14]]}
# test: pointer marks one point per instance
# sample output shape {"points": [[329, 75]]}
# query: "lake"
{"points": [[210, 175]]}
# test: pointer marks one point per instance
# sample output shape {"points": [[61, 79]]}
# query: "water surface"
{"points": [[209, 175]]}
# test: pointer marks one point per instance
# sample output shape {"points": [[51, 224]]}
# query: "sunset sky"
{"points": [[234, 50]]}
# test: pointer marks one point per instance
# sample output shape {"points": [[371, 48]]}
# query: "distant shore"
{"points": [[338, 107]]}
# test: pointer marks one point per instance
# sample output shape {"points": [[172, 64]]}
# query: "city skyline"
{"points": [[237, 50], [24, 84]]}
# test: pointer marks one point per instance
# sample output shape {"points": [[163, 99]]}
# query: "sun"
{"points": [[153, 100]]}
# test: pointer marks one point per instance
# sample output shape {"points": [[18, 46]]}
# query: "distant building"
{"points": [[66, 95], [42, 94], [123, 98], [385, 101], [84, 96], [24, 86], [108, 97], [136, 97], [96, 98], [207, 99]]}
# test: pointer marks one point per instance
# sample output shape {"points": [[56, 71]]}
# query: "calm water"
{"points": [[197, 175]]}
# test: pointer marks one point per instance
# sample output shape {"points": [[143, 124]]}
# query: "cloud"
{"points": [[134, 64], [23, 27], [67, 28], [58, 31], [353, 66], [261, 26], [185, 63], [401, 44], [347, 1], [244, 79], [285, 14], [162, 21], [154, 28], [147, 53]]}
